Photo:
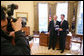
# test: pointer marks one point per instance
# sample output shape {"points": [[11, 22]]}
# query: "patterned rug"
{"points": [[42, 50], [43, 54]]}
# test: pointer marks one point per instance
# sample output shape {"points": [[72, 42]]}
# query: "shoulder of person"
{"points": [[2, 39], [65, 20]]}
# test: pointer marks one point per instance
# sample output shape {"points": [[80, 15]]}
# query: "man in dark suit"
{"points": [[62, 33], [53, 33]]}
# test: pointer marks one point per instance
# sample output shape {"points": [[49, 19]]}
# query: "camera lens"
{"points": [[14, 20]]}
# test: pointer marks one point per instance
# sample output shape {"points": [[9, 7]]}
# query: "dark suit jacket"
{"points": [[64, 26], [51, 27], [21, 47]]}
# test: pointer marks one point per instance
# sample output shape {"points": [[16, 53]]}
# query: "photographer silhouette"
{"points": [[20, 47]]}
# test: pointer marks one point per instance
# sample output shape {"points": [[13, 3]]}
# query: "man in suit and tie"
{"points": [[53, 33], [62, 33]]}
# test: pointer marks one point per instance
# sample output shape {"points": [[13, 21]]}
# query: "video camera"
{"points": [[10, 12]]}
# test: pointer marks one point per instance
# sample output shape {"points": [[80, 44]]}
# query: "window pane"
{"points": [[43, 16], [80, 19], [62, 8]]}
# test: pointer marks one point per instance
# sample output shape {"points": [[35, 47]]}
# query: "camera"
{"points": [[10, 12]]}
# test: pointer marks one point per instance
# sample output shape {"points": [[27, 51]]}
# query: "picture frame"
{"points": [[24, 16]]}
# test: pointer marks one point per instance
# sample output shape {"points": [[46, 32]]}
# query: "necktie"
{"points": [[61, 22], [54, 23]]}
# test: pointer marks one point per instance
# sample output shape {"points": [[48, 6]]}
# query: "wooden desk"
{"points": [[68, 42], [44, 41]]}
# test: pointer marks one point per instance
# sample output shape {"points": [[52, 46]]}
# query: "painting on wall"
{"points": [[24, 17]]}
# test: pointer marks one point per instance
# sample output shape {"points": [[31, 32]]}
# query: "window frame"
{"points": [[38, 13]]}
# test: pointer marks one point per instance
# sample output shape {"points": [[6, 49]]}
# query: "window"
{"points": [[43, 16], [61, 8], [79, 27]]}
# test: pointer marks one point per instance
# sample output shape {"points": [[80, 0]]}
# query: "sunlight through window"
{"points": [[80, 19], [61, 8], [43, 16]]}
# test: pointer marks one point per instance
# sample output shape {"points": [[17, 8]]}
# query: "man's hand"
{"points": [[48, 32], [60, 29], [17, 25], [12, 34], [31, 44]]}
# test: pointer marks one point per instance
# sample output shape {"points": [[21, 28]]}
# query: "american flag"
{"points": [[50, 15]]}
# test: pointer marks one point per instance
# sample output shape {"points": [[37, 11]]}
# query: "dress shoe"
{"points": [[53, 48], [61, 51], [49, 48], [58, 49]]}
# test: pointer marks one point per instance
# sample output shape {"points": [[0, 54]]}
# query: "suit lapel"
{"points": [[62, 23]]}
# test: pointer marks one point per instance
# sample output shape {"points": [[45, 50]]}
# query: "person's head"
{"points": [[55, 17], [62, 16], [4, 21]]}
